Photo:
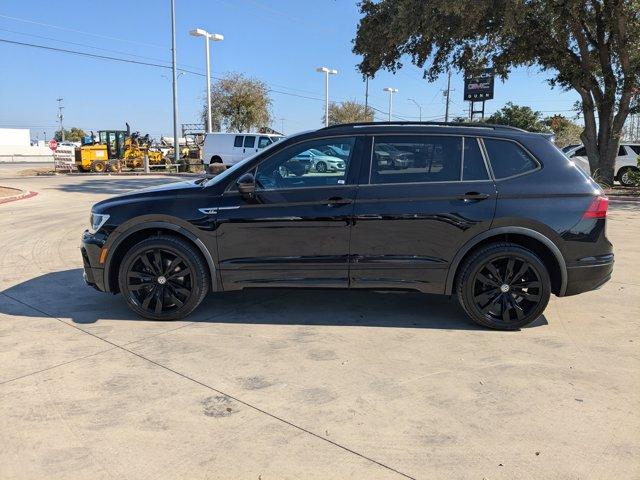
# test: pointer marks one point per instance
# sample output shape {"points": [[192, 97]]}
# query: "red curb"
{"points": [[22, 196]]}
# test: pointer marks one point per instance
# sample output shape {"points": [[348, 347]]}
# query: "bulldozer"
{"points": [[113, 150]]}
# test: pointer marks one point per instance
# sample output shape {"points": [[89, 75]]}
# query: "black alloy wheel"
{"points": [[504, 286], [163, 278]]}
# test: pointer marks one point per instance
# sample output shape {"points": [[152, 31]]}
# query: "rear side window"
{"points": [[635, 148], [473, 167], [508, 158], [249, 141], [416, 159], [238, 141]]}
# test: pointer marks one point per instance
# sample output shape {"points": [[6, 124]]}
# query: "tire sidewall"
{"points": [[478, 262], [177, 247]]}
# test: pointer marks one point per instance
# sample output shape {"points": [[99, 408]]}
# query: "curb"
{"points": [[20, 196]]}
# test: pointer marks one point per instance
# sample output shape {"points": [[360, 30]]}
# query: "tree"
{"points": [[566, 131], [73, 135], [519, 116], [239, 104], [586, 45], [349, 112]]}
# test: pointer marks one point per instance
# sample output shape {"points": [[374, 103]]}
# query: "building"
{"points": [[15, 146]]}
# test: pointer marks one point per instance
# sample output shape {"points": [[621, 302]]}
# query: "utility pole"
{"points": [[366, 94], [174, 67], [448, 94], [60, 117]]}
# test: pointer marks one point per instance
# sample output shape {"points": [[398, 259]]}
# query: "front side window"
{"points": [[416, 159], [238, 141], [263, 142], [306, 165], [508, 158]]}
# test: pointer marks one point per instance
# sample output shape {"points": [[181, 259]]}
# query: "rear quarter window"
{"points": [[508, 159]]}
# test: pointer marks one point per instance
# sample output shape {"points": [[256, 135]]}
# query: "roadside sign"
{"points": [[53, 144], [480, 87]]}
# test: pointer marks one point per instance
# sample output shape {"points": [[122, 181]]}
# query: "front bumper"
{"points": [[589, 274], [90, 248]]}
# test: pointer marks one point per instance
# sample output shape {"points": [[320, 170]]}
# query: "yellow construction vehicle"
{"points": [[112, 150]]}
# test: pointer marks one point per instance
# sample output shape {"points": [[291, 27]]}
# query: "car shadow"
{"points": [[64, 295]]}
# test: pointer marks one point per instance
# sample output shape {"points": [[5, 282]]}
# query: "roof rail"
{"points": [[425, 124]]}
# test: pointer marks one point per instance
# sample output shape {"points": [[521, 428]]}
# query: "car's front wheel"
{"points": [[626, 176], [163, 278], [503, 286]]}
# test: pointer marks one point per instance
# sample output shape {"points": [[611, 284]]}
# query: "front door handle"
{"points": [[338, 201], [473, 197]]}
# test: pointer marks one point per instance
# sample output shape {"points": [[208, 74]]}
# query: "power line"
{"points": [[33, 22]]}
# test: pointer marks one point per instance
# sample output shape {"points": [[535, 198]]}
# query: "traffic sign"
{"points": [[53, 144]]}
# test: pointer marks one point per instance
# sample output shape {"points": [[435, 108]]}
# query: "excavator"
{"points": [[113, 150]]}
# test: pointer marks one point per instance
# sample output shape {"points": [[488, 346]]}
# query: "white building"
{"points": [[15, 146]]}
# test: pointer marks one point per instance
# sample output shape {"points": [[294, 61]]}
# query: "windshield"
{"points": [[221, 176]]}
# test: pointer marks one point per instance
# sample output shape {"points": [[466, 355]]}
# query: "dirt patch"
{"points": [[29, 172]]}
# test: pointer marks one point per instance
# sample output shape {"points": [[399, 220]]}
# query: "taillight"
{"points": [[598, 208]]}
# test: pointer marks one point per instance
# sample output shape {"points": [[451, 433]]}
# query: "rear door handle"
{"points": [[338, 201], [473, 196]]}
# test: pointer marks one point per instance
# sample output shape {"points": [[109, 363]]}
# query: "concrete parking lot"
{"points": [[275, 384]]}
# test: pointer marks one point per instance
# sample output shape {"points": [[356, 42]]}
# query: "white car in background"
{"points": [[230, 148], [626, 161]]}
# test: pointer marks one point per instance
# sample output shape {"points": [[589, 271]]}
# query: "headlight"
{"points": [[97, 220]]}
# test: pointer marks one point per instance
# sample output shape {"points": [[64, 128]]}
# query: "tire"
{"points": [[321, 167], [624, 178], [216, 159], [98, 166], [157, 293], [485, 288]]}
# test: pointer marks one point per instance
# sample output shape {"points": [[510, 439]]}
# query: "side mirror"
{"points": [[246, 185]]}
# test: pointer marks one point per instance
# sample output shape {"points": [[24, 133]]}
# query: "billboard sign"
{"points": [[480, 87]]}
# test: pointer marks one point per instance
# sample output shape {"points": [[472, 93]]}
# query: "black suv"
{"points": [[495, 215]]}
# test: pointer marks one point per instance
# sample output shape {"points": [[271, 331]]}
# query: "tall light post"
{"points": [[327, 71], [174, 68], [391, 92], [419, 107], [60, 117], [215, 37]]}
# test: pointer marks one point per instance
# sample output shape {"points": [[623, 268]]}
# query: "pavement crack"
{"points": [[209, 387]]}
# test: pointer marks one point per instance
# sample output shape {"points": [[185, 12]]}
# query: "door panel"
{"points": [[406, 234], [293, 232]]}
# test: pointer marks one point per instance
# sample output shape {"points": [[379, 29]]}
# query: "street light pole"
{"points": [[174, 68], [327, 71], [417, 105], [391, 92], [199, 32]]}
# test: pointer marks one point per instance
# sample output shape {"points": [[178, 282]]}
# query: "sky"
{"points": [[280, 42]]}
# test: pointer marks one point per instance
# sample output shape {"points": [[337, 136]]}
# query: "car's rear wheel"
{"points": [[503, 286], [163, 278]]}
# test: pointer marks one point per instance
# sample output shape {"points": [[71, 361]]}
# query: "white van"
{"points": [[230, 148]]}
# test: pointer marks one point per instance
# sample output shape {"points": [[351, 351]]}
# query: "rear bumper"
{"points": [[93, 272], [588, 274]]}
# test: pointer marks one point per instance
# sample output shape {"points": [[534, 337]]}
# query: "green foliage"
{"points": [[566, 131], [73, 135], [239, 104], [519, 116], [349, 112], [589, 46]]}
